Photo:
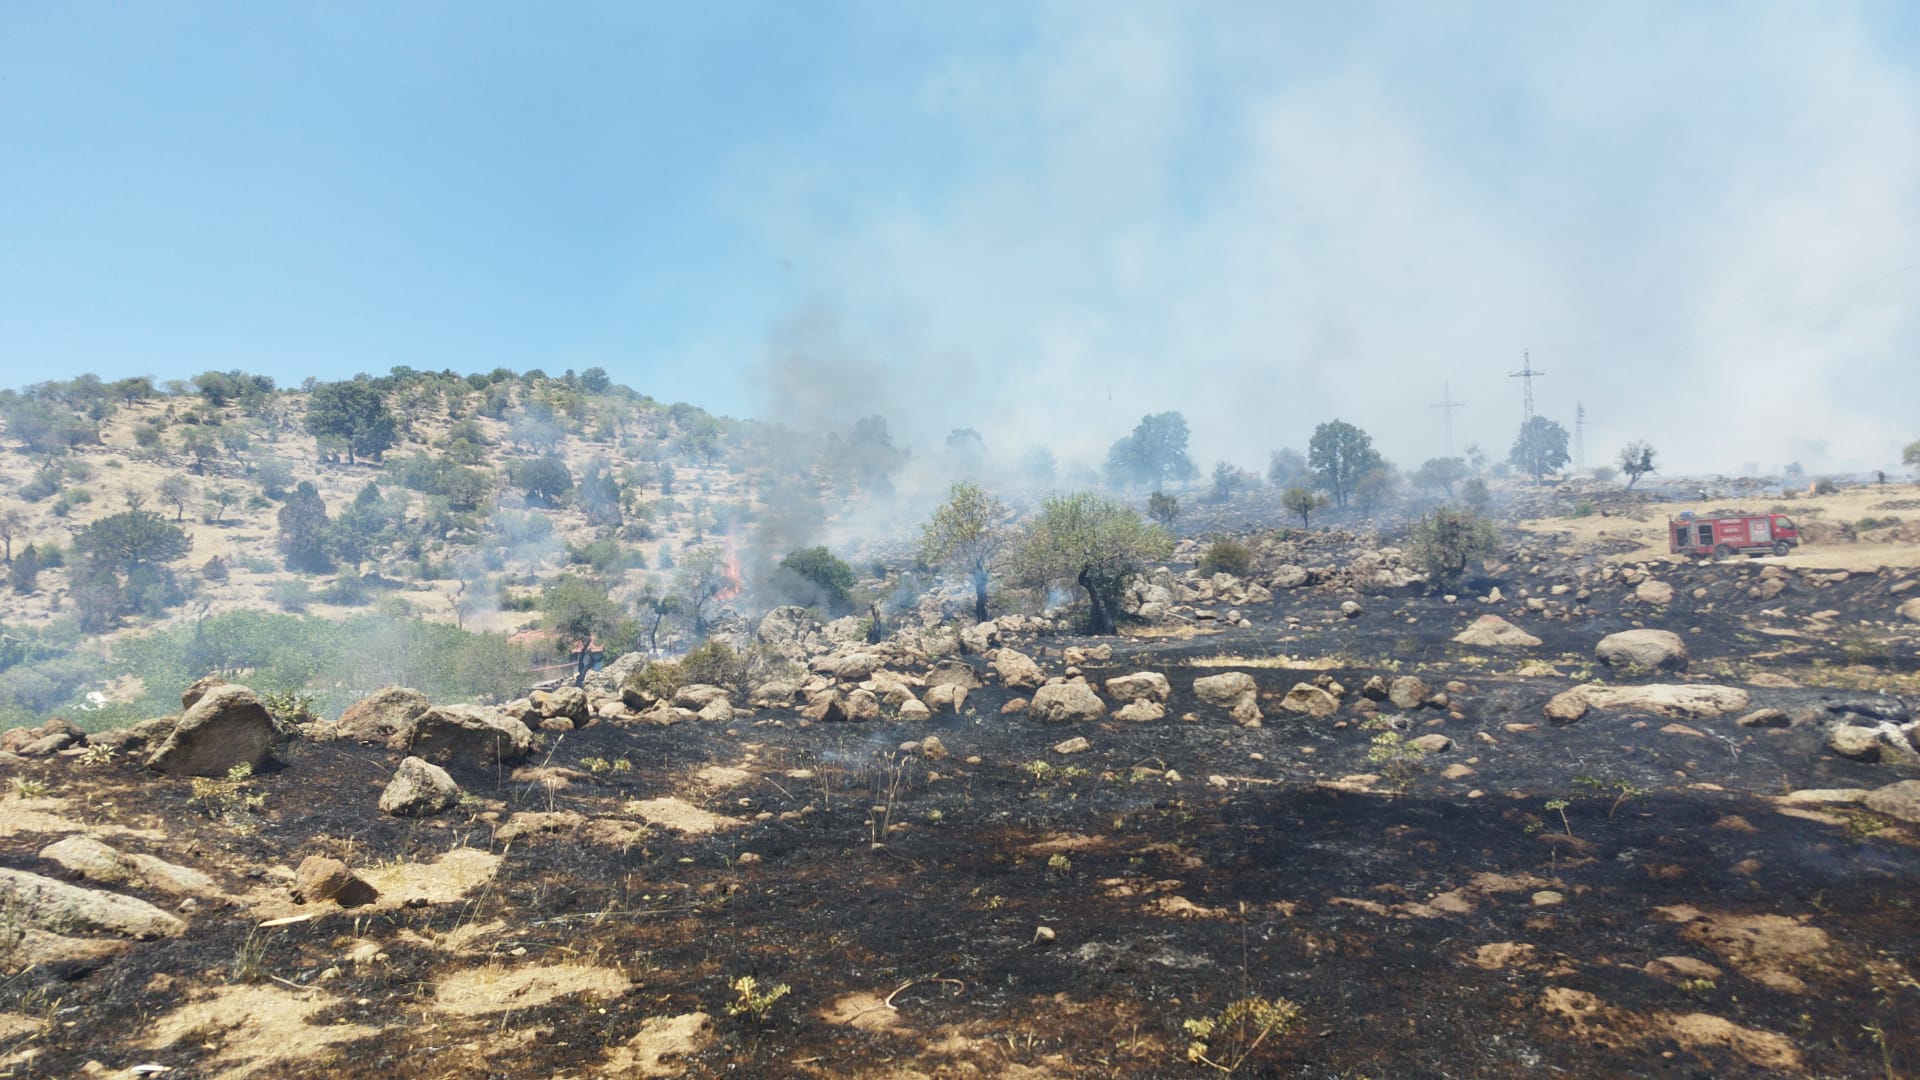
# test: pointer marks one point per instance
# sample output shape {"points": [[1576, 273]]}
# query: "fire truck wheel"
{"points": [[1721, 551], [1780, 547]]}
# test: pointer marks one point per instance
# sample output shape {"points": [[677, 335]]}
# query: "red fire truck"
{"points": [[1748, 534]]}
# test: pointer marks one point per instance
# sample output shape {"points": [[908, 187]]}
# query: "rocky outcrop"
{"points": [[225, 727], [44, 741], [1067, 702], [1643, 650], [419, 788]]}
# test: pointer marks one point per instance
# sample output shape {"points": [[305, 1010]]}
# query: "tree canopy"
{"points": [[1636, 460], [1340, 454], [822, 574], [355, 414], [1091, 542], [1441, 473], [1154, 454], [1540, 448], [965, 534]]}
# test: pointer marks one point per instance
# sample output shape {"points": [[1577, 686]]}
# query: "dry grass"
{"points": [[1649, 530]]}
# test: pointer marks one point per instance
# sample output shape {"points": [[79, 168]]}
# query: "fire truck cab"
{"points": [[1747, 534]]}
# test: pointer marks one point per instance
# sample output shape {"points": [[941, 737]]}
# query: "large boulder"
{"points": [[1310, 700], [1140, 686], [792, 632], [1901, 800], [1683, 701], [1407, 692], [561, 702], [419, 788], [381, 715], [226, 727], [34, 901], [1655, 592], [1017, 670], [1234, 691], [946, 697], [1067, 702], [319, 879], [470, 736], [1910, 610], [1224, 690], [1643, 650], [1492, 631]]}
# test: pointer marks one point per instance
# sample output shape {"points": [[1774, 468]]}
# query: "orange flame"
{"points": [[735, 583]]}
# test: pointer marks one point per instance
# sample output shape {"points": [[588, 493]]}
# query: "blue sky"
{"points": [[1039, 220]]}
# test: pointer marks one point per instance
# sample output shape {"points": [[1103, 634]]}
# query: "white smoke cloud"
{"points": [[1266, 220]]}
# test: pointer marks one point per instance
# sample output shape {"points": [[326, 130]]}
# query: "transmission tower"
{"points": [[1526, 375], [1446, 402], [1579, 435]]}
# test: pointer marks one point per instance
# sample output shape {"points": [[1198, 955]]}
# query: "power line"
{"points": [[1579, 435], [1526, 375], [1446, 402]]}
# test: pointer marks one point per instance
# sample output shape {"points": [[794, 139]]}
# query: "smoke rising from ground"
{"points": [[1693, 219]]}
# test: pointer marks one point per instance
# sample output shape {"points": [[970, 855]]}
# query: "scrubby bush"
{"points": [[291, 595], [1227, 556], [1447, 540], [816, 577]]}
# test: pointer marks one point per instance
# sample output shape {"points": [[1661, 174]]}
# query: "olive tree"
{"points": [[1091, 542], [1299, 500], [965, 534], [1636, 460]]}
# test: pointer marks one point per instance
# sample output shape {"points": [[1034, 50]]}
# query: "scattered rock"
{"points": [[1766, 718], [1068, 702], [947, 696], [381, 715], [933, 749], [1309, 700], [1076, 745], [1657, 593], [1140, 686], [1433, 743], [1643, 650], [1900, 800], [1407, 692], [192, 694], [913, 709], [468, 735], [319, 879], [1351, 609], [56, 906], [225, 727], [1681, 701], [1017, 670], [419, 788], [862, 705], [1224, 690], [954, 673], [1492, 631], [1141, 711]]}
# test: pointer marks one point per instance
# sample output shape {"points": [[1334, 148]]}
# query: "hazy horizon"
{"points": [[1038, 221]]}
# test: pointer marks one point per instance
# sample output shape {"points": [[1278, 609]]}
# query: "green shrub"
{"points": [[1825, 486], [1447, 540], [291, 595], [346, 591], [1227, 556]]}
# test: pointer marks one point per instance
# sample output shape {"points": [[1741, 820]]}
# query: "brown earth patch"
{"points": [[490, 989], [255, 1029]]}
